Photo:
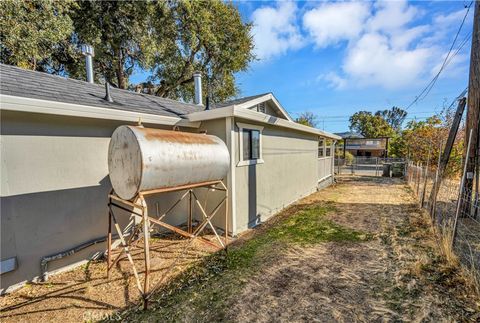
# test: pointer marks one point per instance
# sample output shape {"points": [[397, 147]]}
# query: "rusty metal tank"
{"points": [[142, 159]]}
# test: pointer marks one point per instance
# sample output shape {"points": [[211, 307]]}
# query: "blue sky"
{"points": [[335, 58]]}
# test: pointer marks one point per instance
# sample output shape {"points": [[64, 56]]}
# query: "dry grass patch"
{"points": [[206, 291]]}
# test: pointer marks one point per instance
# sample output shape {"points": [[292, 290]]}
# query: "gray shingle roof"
{"points": [[37, 85], [238, 101]]}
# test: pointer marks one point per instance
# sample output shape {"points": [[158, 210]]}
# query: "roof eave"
{"points": [[240, 112], [264, 98], [21, 104]]}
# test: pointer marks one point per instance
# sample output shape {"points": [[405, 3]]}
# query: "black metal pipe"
{"points": [[45, 260]]}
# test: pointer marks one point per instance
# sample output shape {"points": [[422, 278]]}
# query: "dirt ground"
{"points": [[86, 294], [396, 274], [388, 278]]}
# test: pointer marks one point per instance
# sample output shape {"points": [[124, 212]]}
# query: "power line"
{"points": [[317, 108], [461, 95], [446, 61], [347, 120], [349, 115]]}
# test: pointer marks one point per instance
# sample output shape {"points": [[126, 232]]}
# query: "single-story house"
{"points": [[55, 134], [358, 145]]}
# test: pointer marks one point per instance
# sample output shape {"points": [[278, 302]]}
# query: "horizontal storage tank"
{"points": [[142, 159]]}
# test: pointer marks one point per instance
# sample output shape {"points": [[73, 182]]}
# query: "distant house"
{"points": [[358, 145], [55, 134]]}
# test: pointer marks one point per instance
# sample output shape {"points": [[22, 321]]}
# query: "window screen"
{"points": [[320, 148], [328, 148], [255, 144], [251, 144], [246, 144]]}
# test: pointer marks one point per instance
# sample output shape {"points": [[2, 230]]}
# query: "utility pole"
{"points": [[473, 111], [446, 152]]}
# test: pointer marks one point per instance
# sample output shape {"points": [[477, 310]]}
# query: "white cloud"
{"points": [[334, 80], [443, 26], [373, 61], [391, 16], [275, 30], [403, 38], [386, 45], [331, 23]]}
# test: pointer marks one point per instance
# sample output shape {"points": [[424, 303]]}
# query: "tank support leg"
{"points": [[109, 242], [226, 216], [190, 212], [146, 245]]}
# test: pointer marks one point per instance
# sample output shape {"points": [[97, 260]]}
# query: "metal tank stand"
{"points": [[135, 229]]}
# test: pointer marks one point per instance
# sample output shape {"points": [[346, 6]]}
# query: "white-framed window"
{"points": [[250, 143], [321, 148], [328, 148]]}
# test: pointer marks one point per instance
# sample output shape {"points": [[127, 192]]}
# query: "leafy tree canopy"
{"points": [[394, 117], [307, 119], [32, 30], [370, 125], [169, 40]]}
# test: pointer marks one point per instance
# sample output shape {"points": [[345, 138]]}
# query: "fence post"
{"points": [[419, 168], [426, 178], [460, 192], [434, 187], [409, 172], [449, 145], [338, 165]]}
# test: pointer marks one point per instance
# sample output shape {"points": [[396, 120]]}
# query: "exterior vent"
{"points": [[261, 107], [88, 52], [108, 96], [197, 79]]}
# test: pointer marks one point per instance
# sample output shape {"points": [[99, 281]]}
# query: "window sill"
{"points": [[250, 162]]}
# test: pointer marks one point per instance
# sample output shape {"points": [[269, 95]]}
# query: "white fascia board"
{"points": [[265, 98], [15, 103], [241, 112], [261, 117], [277, 103], [211, 114]]}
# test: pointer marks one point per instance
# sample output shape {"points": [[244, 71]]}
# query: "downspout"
{"points": [[333, 161], [231, 144]]}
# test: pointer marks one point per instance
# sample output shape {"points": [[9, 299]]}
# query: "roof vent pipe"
{"points": [[197, 79], [88, 51], [107, 97]]}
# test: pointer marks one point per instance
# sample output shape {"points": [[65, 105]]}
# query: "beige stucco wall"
{"points": [[217, 128], [54, 184], [54, 187], [289, 172]]}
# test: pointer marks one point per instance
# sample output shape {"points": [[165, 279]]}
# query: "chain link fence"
{"points": [[454, 212], [367, 166]]}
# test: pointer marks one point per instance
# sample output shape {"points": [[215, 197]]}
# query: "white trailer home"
{"points": [[55, 134]]}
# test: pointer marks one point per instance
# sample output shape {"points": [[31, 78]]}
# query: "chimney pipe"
{"points": [[88, 52], [197, 79]]}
